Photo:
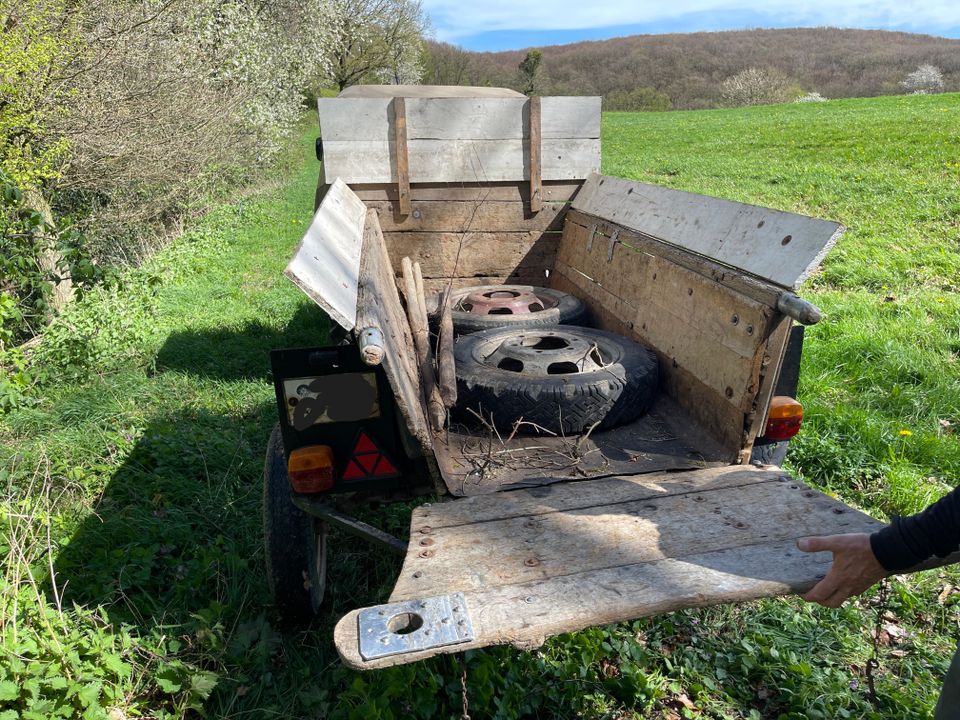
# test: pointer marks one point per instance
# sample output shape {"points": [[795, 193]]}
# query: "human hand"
{"points": [[854, 568]]}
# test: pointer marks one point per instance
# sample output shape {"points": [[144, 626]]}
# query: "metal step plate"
{"points": [[414, 625]]}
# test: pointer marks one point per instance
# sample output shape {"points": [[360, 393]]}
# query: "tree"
{"points": [[446, 64], [756, 86], [379, 40], [924, 80], [529, 71]]}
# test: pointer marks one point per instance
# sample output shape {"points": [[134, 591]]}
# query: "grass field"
{"points": [[133, 581]]}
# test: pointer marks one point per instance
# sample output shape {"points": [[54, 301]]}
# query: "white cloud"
{"points": [[453, 19]]}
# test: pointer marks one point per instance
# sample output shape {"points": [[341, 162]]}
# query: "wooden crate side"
{"points": [[463, 216]]}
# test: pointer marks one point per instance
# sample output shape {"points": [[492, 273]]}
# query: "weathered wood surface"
{"points": [[426, 91], [556, 191], [479, 216], [521, 276], [417, 317], [771, 361], [446, 369], [473, 462], [444, 255], [534, 133], [473, 139], [539, 562], [372, 119], [704, 327], [401, 158], [784, 248], [369, 161], [326, 265], [378, 305]]}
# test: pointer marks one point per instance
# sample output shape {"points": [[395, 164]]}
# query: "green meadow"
{"points": [[133, 571]]}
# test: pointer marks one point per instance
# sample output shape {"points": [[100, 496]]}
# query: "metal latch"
{"points": [[593, 232], [413, 625], [614, 239]]}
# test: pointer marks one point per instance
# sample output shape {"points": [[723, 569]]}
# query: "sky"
{"points": [[517, 24]]}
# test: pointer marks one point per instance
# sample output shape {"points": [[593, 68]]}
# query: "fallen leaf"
{"points": [[945, 593]]}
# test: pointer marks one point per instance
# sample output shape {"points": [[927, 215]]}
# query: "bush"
{"points": [[636, 100], [811, 97], [924, 80]]}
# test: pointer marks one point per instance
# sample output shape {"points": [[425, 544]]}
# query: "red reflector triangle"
{"points": [[385, 467], [365, 445], [354, 471], [367, 462]]}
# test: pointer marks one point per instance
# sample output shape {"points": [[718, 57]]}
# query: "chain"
{"points": [[873, 663], [463, 687]]}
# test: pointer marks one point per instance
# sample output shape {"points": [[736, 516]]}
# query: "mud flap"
{"points": [[527, 564]]}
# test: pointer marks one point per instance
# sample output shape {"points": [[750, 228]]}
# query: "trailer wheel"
{"points": [[484, 307], [295, 543], [563, 379]]}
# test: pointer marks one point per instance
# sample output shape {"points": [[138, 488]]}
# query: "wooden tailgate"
{"points": [[555, 559]]}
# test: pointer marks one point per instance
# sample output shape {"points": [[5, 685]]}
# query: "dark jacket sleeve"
{"points": [[908, 541]]}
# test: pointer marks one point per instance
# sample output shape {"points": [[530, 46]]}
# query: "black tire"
{"points": [[562, 309], [295, 543], [619, 385], [770, 453]]}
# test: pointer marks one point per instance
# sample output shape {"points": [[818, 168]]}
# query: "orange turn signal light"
{"points": [[783, 419], [311, 469]]}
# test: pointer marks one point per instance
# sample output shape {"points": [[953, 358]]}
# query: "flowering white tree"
{"points": [[811, 97], [924, 80], [755, 86], [378, 40]]}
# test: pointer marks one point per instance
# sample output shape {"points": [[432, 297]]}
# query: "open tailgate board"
{"points": [[515, 567]]}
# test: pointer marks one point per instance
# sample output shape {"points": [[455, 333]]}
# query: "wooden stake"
{"points": [[536, 186], [446, 371], [403, 160], [416, 313]]}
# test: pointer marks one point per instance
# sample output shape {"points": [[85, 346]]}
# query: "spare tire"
{"points": [[484, 307], [562, 379]]}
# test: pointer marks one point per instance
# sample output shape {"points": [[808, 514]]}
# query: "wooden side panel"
{"points": [[474, 139], [538, 562], [781, 247], [326, 264], [459, 217]]}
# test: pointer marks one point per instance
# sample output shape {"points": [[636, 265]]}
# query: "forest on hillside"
{"points": [[689, 70]]}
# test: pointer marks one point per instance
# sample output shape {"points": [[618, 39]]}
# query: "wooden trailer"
{"points": [[539, 536]]}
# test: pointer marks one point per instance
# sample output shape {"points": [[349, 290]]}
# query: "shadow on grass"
{"points": [[174, 549], [241, 354]]}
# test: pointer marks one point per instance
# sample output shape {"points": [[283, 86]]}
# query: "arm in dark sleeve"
{"points": [[908, 541]]}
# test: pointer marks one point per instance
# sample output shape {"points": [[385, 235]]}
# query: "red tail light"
{"points": [[784, 418], [311, 469]]}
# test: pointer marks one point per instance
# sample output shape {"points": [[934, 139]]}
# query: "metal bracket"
{"points": [[613, 241], [414, 625], [593, 232], [319, 509]]}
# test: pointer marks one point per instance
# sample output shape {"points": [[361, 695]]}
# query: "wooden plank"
{"points": [[771, 362], [536, 200], [326, 265], [420, 91], [553, 191], [554, 570], [474, 118], [401, 157], [466, 254], [460, 217], [784, 248], [570, 496], [369, 161], [378, 305]]}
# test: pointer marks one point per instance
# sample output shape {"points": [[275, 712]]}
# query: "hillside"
{"points": [[690, 67]]}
